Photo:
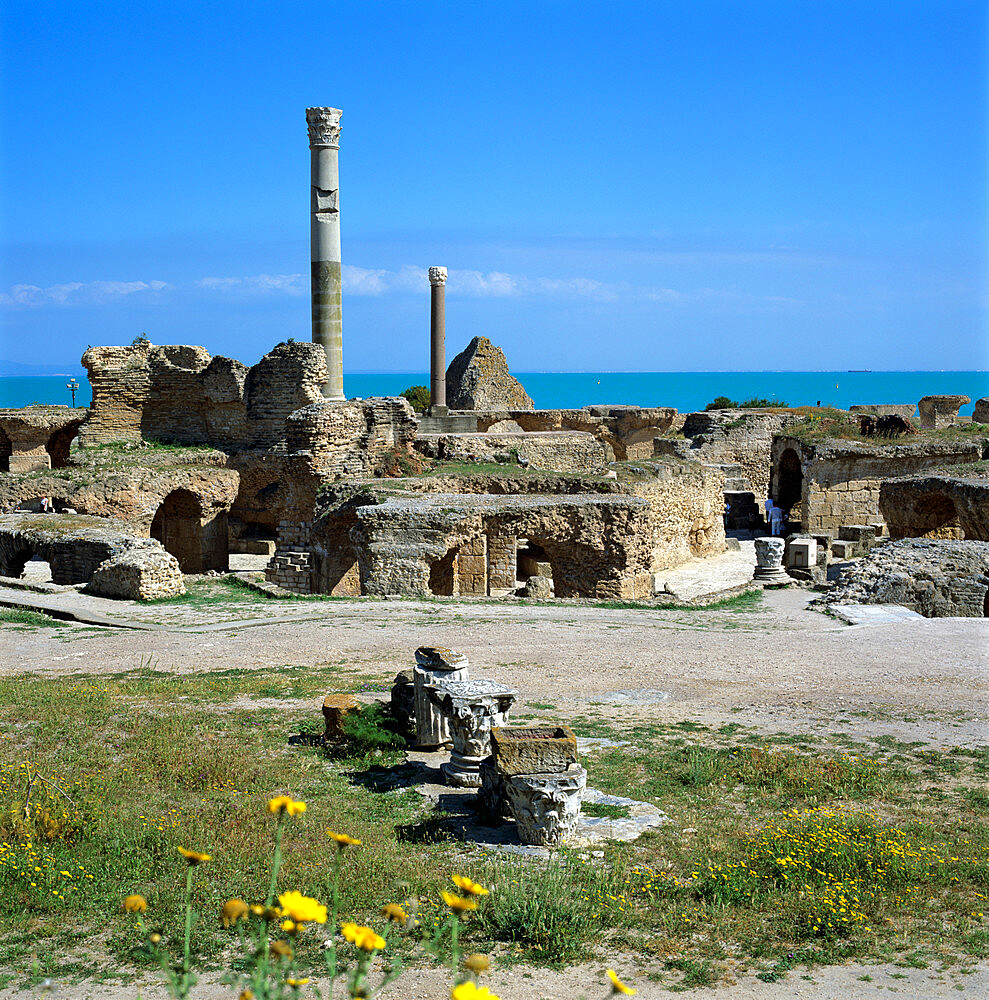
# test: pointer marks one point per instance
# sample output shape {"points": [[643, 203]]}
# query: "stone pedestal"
{"points": [[471, 708], [336, 708], [434, 666], [533, 749], [324, 230], [769, 562], [546, 806]]}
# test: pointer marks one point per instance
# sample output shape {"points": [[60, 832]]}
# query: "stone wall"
{"points": [[936, 506], [559, 451], [179, 394], [35, 438], [356, 438], [737, 437], [686, 513], [838, 482], [598, 546], [89, 550], [626, 432]]}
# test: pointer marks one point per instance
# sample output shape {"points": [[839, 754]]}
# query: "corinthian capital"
{"points": [[324, 126], [437, 275]]}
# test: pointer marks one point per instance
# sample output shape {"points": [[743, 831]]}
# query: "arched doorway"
{"points": [[937, 517], [178, 525], [789, 484], [6, 449]]}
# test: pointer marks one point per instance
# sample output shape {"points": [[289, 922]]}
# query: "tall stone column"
{"points": [[437, 340], [327, 309]]}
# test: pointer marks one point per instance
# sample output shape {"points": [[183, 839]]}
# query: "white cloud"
{"points": [[289, 284], [76, 293], [410, 279]]}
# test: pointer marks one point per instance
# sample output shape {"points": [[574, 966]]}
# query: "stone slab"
{"points": [[873, 614]]}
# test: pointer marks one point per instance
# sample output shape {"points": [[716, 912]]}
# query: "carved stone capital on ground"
{"points": [[769, 561], [324, 127], [471, 708], [437, 275], [546, 806]]}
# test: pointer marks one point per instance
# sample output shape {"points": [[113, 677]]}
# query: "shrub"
{"points": [[722, 403], [755, 403], [418, 396]]}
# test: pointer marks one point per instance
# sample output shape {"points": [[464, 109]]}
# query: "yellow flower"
{"points": [[135, 904], [343, 840], [155, 938], [477, 963], [617, 986], [362, 937], [464, 884], [233, 910], [193, 857], [470, 991], [281, 948], [394, 912], [283, 803], [246, 995], [291, 927], [457, 903], [296, 982], [302, 909]]}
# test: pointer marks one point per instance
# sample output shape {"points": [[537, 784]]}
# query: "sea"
{"points": [[687, 391]]}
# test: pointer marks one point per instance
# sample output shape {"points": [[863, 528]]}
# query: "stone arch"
{"points": [[985, 605], [531, 560], [789, 483], [14, 556], [442, 574], [178, 525], [6, 450], [937, 517], [59, 445]]}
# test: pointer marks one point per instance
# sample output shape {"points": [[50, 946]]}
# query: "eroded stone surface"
{"points": [[546, 806], [472, 708], [940, 411], [533, 749], [937, 578], [478, 379], [432, 725]]}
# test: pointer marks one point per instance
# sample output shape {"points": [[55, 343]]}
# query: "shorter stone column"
{"points": [[472, 709], [437, 341], [434, 665], [769, 562], [546, 806]]}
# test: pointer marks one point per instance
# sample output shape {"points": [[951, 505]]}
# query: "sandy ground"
{"points": [[781, 668]]}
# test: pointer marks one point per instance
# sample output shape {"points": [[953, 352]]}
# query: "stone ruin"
{"points": [[34, 438], [89, 551], [520, 785]]}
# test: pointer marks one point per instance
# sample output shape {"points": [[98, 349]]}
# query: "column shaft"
{"points": [[437, 342], [327, 306]]}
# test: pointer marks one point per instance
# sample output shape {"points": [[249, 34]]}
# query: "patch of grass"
{"points": [[29, 619]]}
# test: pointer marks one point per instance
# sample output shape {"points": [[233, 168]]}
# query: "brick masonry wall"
{"points": [[179, 394], [686, 514], [842, 481]]}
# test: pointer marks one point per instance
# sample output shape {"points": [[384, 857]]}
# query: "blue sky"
{"points": [[613, 185]]}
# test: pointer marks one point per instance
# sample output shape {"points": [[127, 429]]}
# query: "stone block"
{"points": [[336, 708], [801, 553], [533, 749], [845, 550], [864, 534], [980, 415]]}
